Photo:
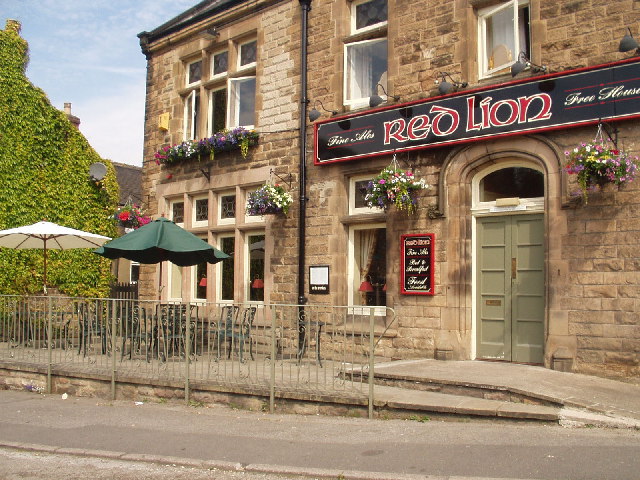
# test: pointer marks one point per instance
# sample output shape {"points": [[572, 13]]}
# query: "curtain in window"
{"points": [[367, 246], [367, 65], [360, 70], [500, 38]]}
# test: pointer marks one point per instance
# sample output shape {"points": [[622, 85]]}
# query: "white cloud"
{"points": [[114, 125], [88, 53]]}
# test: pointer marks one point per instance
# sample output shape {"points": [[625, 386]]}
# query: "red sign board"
{"points": [[417, 261]]}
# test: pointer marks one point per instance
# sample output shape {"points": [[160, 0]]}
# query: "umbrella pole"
{"points": [[45, 266], [160, 283]]}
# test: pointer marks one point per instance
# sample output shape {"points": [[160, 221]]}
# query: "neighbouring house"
{"points": [[44, 174], [130, 182], [523, 248]]}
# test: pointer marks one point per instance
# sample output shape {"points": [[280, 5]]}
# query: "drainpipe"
{"points": [[305, 6]]}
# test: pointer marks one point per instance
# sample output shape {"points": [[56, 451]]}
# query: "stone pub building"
{"points": [[504, 258]]}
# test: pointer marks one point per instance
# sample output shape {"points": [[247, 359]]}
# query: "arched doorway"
{"points": [[509, 261]]}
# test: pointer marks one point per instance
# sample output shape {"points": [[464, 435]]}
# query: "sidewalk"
{"points": [[315, 447], [564, 396]]}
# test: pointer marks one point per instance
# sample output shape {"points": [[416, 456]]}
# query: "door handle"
{"points": [[514, 268]]}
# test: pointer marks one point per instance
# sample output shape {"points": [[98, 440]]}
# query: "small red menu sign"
{"points": [[417, 260]]}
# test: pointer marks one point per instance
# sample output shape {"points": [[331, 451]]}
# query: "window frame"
{"points": [[233, 120], [483, 15], [188, 73], [361, 101], [173, 268], [379, 310], [247, 266], [353, 18], [171, 204], [353, 210], [194, 200], [248, 66], [212, 75], [220, 272], [220, 219], [250, 218], [191, 114], [527, 205], [210, 109]]}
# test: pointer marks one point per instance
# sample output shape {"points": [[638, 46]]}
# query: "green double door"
{"points": [[510, 288]]}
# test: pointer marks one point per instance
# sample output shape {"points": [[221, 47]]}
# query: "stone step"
{"points": [[396, 399]]}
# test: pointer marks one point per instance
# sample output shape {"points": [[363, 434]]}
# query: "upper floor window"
{"points": [[194, 72], [367, 14], [220, 63], [503, 32], [191, 115], [365, 60], [231, 98], [247, 54], [242, 102]]}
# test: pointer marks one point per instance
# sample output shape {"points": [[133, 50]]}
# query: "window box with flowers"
{"points": [[598, 163], [268, 199], [394, 186], [131, 217], [227, 140]]}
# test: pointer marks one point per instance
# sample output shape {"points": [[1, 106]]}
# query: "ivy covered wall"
{"points": [[44, 175]]}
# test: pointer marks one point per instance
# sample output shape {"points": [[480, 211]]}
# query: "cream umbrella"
{"points": [[46, 236]]}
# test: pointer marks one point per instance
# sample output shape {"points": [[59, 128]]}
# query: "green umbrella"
{"points": [[162, 240]]}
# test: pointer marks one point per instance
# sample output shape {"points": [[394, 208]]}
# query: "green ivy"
{"points": [[44, 174]]}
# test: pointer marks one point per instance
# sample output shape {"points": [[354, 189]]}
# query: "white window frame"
{"points": [[171, 203], [193, 283], [226, 221], [214, 76], [246, 273], [218, 294], [131, 265], [353, 210], [354, 29], [172, 269], [233, 114], [248, 66], [525, 205], [483, 15], [379, 310], [362, 101], [187, 72], [200, 223], [190, 117], [210, 92], [250, 218]]}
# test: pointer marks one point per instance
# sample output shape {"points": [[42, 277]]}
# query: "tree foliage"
{"points": [[44, 174]]}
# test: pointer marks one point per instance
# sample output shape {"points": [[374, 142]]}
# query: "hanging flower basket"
{"points": [[238, 138], [269, 199], [599, 162], [131, 217], [394, 186]]}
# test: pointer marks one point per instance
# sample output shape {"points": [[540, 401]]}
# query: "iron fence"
{"points": [[322, 349]]}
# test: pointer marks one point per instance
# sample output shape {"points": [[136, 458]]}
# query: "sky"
{"points": [[87, 52]]}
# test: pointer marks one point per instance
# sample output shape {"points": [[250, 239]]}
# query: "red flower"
{"points": [[124, 216]]}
